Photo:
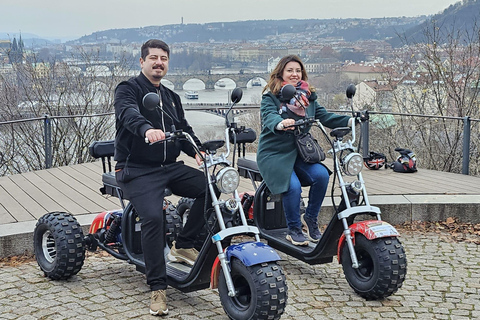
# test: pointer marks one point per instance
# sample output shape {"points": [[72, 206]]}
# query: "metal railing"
{"points": [[467, 121], [365, 130]]}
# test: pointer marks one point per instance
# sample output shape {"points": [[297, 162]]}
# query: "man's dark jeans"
{"points": [[145, 187]]}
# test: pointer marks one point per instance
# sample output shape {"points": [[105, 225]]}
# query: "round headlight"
{"points": [[228, 180], [352, 164]]}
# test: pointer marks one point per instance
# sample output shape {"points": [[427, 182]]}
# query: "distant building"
{"points": [[5, 45], [374, 95], [358, 72], [272, 63], [322, 66]]}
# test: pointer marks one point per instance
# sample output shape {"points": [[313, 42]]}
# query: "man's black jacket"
{"points": [[133, 120]]}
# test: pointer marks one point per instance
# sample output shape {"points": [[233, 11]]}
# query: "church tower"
{"points": [[15, 54]]}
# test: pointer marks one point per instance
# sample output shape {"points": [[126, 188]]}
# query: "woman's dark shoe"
{"points": [[297, 237], [313, 232]]}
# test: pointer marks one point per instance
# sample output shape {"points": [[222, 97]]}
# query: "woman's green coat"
{"points": [[277, 152]]}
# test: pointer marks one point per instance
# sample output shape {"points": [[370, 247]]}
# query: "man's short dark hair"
{"points": [[154, 43]]}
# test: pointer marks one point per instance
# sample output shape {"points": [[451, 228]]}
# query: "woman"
{"points": [[281, 168]]}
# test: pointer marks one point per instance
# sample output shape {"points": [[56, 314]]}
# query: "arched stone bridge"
{"points": [[241, 79], [105, 69]]}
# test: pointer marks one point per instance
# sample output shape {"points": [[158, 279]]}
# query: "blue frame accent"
{"points": [[252, 253]]}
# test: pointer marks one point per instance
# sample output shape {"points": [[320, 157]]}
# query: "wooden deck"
{"points": [[75, 189]]}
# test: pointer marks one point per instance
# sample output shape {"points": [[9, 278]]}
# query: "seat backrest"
{"points": [[100, 149], [104, 150]]}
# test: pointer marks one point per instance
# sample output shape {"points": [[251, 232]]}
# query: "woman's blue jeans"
{"points": [[314, 175]]}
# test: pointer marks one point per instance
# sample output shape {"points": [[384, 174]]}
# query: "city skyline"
{"points": [[54, 19]]}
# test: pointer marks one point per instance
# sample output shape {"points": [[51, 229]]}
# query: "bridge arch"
{"points": [[241, 79]]}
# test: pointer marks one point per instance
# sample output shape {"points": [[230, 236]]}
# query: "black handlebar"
{"points": [[303, 123]]}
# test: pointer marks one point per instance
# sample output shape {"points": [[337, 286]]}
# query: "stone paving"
{"points": [[443, 282]]}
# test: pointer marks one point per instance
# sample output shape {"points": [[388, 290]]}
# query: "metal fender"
{"points": [[371, 229], [250, 253]]}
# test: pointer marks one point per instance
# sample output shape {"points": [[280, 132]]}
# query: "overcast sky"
{"points": [[73, 19]]}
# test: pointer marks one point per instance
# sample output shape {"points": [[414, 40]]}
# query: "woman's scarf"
{"points": [[299, 102]]}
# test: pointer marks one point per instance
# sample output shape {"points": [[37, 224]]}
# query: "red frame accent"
{"points": [[364, 228], [214, 274], [250, 210], [98, 222]]}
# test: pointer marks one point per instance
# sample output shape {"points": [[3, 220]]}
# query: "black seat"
{"points": [[339, 133], [249, 169], [212, 145]]}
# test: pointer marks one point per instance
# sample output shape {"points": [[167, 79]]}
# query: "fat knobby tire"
{"points": [[183, 205], [59, 245], [383, 267], [174, 224], [261, 291]]}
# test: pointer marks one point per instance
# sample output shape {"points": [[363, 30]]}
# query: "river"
{"points": [[205, 123]]}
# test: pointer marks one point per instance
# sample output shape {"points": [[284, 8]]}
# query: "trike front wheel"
{"points": [[260, 291]]}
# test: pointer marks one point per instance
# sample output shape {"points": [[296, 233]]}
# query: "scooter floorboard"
{"points": [[277, 239], [177, 270]]}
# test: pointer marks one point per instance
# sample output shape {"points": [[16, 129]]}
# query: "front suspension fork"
{"points": [[349, 240]]}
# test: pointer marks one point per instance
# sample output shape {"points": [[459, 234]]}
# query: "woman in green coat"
{"points": [[281, 168]]}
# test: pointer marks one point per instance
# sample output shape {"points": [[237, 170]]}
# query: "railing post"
{"points": [[466, 146], [47, 126], [365, 131]]}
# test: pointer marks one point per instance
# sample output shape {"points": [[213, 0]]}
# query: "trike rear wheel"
{"points": [[59, 246]]}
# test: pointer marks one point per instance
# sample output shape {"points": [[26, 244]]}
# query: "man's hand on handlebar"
{"points": [[154, 135], [199, 159]]}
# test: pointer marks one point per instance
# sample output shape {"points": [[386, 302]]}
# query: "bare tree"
{"points": [[66, 95], [440, 78]]}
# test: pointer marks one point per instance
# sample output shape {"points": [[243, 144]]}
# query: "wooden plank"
{"points": [[77, 192], [84, 184], [91, 185], [39, 196], [91, 169], [59, 191], [5, 217], [17, 203], [50, 188]]}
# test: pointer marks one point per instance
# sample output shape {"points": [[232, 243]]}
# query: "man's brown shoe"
{"points": [[182, 255], [158, 305]]}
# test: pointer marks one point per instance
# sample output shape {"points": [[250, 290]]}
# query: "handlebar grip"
{"points": [[167, 135], [302, 122]]}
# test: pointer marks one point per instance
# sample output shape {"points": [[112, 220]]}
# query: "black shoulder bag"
{"points": [[308, 147]]}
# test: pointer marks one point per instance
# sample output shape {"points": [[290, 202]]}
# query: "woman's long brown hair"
{"points": [[274, 84]]}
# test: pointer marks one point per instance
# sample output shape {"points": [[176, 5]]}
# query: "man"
{"points": [[144, 170]]}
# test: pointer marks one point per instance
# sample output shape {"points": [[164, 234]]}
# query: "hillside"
{"points": [[457, 20], [260, 30]]}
